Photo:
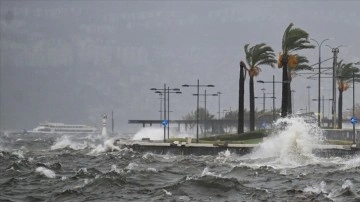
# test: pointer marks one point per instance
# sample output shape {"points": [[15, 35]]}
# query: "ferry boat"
{"points": [[61, 128]]}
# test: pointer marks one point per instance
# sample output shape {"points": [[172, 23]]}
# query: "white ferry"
{"points": [[61, 128]]}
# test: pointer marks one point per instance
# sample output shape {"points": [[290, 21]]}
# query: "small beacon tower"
{"points": [[104, 131]]}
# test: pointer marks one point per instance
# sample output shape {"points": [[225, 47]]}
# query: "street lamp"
{"points": [[353, 110], [319, 80], [168, 90], [205, 95], [319, 45], [161, 99], [176, 91], [197, 105], [273, 82]]}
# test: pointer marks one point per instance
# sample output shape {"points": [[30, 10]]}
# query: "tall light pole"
{"points": [[308, 108], [353, 109], [205, 95], [177, 91], [164, 93], [173, 90], [319, 80], [197, 105], [166, 121], [160, 111]]}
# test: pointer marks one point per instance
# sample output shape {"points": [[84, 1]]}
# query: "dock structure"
{"points": [[215, 125], [198, 149], [183, 148]]}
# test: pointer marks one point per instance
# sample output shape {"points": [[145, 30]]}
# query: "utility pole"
{"points": [[353, 109], [333, 110]]}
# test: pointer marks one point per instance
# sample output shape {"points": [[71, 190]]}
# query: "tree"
{"points": [[231, 115], [301, 64], [345, 73], [241, 98], [202, 115], [257, 55], [294, 39]]}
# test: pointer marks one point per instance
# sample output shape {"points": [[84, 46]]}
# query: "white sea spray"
{"points": [[46, 172]]}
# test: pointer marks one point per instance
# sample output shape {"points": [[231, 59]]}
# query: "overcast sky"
{"points": [[71, 61]]}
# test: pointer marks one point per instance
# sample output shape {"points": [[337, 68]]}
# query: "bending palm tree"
{"points": [[345, 76], [301, 64], [293, 39], [241, 98], [257, 55]]}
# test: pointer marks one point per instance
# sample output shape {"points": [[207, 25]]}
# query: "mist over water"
{"points": [[157, 133], [41, 167]]}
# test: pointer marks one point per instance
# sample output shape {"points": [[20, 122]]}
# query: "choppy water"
{"points": [[89, 168]]}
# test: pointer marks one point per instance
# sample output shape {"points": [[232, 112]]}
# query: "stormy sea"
{"points": [[44, 167]]}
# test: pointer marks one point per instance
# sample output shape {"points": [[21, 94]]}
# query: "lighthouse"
{"points": [[104, 132]]}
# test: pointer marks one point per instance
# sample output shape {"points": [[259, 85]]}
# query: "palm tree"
{"points": [[294, 39], [241, 98], [260, 54], [301, 64], [345, 76]]}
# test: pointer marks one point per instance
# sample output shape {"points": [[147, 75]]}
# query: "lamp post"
{"points": [[197, 104], [176, 91], [273, 82], [205, 95], [319, 80], [353, 109], [161, 99], [168, 90]]}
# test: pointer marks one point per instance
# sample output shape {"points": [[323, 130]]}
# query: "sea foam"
{"points": [[46, 172]]}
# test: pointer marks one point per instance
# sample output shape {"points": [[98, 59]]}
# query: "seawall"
{"points": [[214, 149]]}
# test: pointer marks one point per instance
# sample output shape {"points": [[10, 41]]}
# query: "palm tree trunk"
{"points": [[289, 109], [285, 88], [252, 104], [340, 109], [241, 99]]}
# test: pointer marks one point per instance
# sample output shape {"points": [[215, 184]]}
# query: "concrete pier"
{"points": [[183, 148], [186, 149]]}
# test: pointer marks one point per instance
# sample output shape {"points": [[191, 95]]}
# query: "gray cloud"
{"points": [[71, 61]]}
